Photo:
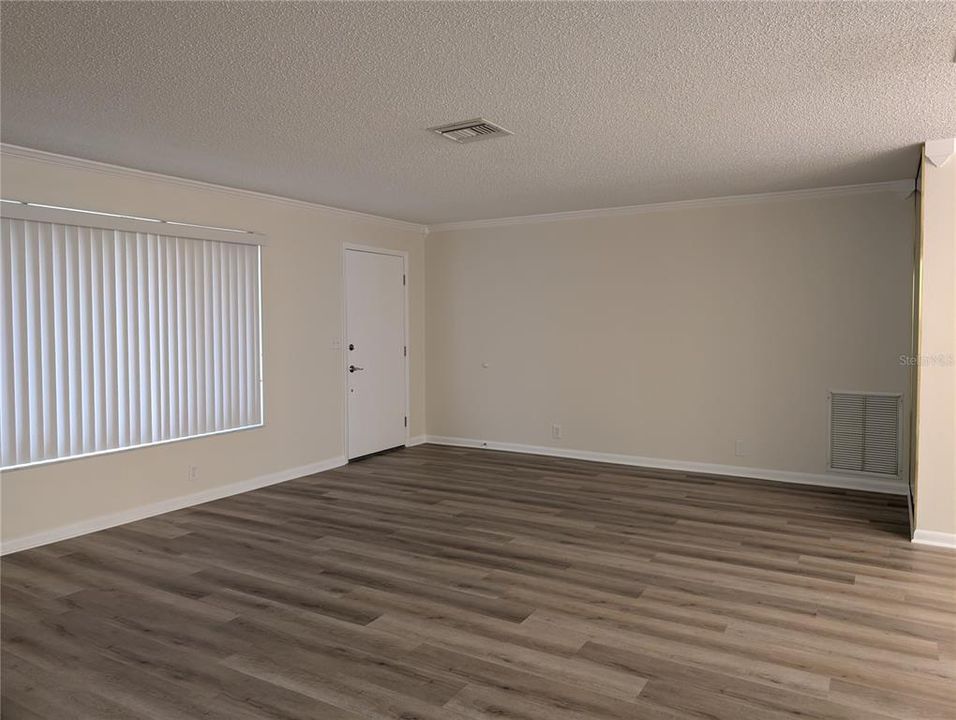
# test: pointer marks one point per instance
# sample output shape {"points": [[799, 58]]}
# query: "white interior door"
{"points": [[375, 351]]}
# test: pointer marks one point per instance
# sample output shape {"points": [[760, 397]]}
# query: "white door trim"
{"points": [[403, 254]]}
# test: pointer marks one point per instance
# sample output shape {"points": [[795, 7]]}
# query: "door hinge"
{"points": [[406, 421], [405, 350], [403, 278]]}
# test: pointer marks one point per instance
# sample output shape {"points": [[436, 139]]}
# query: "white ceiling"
{"points": [[611, 103]]}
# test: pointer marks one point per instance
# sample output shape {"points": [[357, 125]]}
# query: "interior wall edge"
{"points": [[142, 512], [865, 483]]}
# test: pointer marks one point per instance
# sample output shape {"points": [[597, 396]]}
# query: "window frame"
{"points": [[43, 213]]}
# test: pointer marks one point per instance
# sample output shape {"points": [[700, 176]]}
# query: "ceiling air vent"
{"points": [[865, 432], [471, 130]]}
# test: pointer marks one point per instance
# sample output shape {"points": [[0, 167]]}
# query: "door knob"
{"points": [[353, 368]]}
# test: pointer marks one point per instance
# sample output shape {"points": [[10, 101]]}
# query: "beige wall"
{"points": [[672, 334], [936, 448], [302, 315], [665, 335]]}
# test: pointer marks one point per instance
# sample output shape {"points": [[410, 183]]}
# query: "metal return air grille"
{"points": [[865, 432], [470, 130]]}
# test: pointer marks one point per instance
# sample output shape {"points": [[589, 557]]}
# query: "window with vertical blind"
{"points": [[121, 332]]}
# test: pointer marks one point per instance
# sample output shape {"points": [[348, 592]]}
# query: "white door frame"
{"points": [[403, 254]]}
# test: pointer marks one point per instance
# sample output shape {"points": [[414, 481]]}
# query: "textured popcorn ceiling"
{"points": [[611, 103]]}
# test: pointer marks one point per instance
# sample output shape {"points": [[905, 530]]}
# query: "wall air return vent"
{"points": [[865, 432], [470, 130]]}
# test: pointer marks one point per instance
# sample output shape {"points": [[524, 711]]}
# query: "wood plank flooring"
{"points": [[449, 583]]}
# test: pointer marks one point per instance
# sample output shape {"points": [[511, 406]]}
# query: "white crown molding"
{"points": [[939, 151], [845, 482], [142, 512], [937, 539], [901, 186], [43, 156], [18, 151]]}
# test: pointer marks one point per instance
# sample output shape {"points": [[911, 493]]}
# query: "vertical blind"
{"points": [[114, 338]]}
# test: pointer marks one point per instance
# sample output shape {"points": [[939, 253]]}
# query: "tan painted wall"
{"points": [[936, 449], [672, 334], [665, 335], [302, 314]]}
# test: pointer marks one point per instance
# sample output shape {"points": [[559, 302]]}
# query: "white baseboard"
{"points": [[931, 537], [846, 482], [142, 512]]}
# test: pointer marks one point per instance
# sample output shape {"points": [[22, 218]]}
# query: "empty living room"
{"points": [[471, 360]]}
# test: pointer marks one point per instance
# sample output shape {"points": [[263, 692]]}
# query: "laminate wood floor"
{"points": [[450, 583]]}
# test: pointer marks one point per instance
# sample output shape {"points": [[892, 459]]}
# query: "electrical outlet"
{"points": [[555, 432], [740, 450], [192, 473]]}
